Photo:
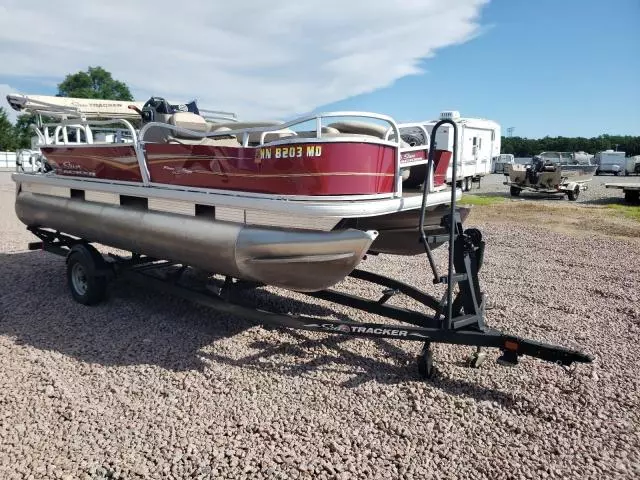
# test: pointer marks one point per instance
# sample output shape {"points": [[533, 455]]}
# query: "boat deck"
{"points": [[233, 204]]}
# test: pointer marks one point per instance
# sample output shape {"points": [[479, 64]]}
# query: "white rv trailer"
{"points": [[479, 143], [610, 162], [501, 161], [633, 165]]}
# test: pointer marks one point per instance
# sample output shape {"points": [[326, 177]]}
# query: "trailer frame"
{"points": [[461, 328], [631, 191]]}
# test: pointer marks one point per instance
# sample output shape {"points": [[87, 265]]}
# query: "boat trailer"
{"points": [[456, 319], [631, 191]]}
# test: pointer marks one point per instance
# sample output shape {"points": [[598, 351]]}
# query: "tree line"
{"points": [[527, 147], [96, 82]]}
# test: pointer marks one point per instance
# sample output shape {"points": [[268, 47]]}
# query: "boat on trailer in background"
{"points": [[552, 172], [296, 205]]}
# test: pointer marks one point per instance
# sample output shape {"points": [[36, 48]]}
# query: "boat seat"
{"points": [[254, 137], [324, 132], [221, 141], [188, 120], [362, 128]]}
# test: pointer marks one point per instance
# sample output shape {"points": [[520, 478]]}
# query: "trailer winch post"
{"points": [[452, 217]]}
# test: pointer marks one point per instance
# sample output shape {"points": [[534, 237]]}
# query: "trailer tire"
{"points": [[85, 275], [632, 196], [573, 195], [417, 174], [515, 191]]}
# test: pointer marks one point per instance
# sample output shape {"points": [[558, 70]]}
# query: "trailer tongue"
{"points": [[457, 318]]}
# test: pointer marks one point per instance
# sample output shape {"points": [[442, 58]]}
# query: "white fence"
{"points": [[29, 159], [8, 161]]}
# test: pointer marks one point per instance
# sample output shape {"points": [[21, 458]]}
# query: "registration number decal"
{"points": [[289, 152]]}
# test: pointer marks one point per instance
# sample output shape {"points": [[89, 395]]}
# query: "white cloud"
{"points": [[258, 58]]}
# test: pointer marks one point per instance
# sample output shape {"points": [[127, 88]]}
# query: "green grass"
{"points": [[629, 211], [482, 200]]}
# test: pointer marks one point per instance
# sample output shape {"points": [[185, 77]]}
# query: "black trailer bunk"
{"points": [[456, 319]]}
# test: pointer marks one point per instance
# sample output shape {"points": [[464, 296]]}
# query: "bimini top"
{"points": [[94, 108]]}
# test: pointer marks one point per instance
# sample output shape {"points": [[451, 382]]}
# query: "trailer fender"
{"points": [[572, 186]]}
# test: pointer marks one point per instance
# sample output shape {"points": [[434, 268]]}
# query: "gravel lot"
{"points": [[149, 386], [596, 192]]}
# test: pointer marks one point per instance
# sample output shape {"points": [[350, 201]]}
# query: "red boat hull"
{"points": [[332, 168], [109, 162], [298, 169]]}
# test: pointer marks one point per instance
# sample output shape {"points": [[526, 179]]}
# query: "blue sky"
{"points": [[563, 67], [545, 67]]}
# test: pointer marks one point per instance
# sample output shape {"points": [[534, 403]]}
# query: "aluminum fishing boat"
{"points": [[295, 205], [552, 172]]}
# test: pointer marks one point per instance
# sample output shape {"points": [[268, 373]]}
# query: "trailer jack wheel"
{"points": [[87, 284], [476, 359], [425, 362]]}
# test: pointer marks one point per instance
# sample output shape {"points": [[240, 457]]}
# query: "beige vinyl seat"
{"points": [[189, 121], [360, 128], [254, 137], [364, 129], [197, 123]]}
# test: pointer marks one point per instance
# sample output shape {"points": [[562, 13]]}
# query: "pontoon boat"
{"points": [[296, 205], [264, 201]]}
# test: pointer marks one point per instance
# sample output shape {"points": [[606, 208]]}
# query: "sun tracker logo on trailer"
{"points": [[386, 332]]}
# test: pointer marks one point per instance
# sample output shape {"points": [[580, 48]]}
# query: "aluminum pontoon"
{"points": [[296, 205]]}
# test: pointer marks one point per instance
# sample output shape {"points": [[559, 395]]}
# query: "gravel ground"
{"points": [[149, 386], [596, 192]]}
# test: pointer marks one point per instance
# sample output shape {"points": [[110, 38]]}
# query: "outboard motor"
{"points": [[537, 164], [154, 109], [157, 109]]}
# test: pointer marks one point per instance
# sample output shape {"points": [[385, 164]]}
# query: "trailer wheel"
{"points": [[476, 359], [573, 195], [632, 196], [515, 191], [85, 276]]}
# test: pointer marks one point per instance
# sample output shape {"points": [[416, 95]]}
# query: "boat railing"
{"points": [[425, 145], [391, 136], [86, 127], [258, 135], [218, 115], [245, 132]]}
